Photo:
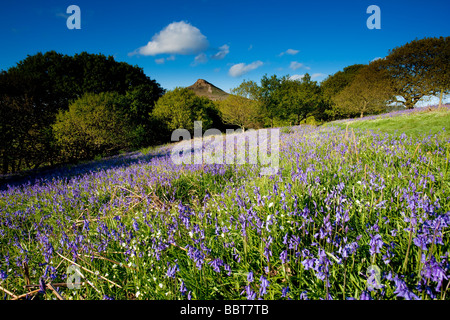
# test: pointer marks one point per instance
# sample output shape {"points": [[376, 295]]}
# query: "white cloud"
{"points": [[291, 52], [201, 58], [176, 38], [223, 51], [317, 75], [295, 65], [296, 77], [242, 68], [163, 60]]}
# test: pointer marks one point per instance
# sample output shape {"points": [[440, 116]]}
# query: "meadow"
{"points": [[353, 213]]}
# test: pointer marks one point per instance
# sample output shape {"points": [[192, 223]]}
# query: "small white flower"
{"points": [[138, 294], [271, 205], [161, 285], [269, 217]]}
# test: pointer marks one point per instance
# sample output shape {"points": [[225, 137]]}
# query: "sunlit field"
{"points": [[351, 214]]}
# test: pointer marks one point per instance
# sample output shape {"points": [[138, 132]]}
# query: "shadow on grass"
{"points": [[43, 175]]}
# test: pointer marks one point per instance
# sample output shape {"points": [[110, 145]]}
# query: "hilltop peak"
{"points": [[201, 82], [204, 88]]}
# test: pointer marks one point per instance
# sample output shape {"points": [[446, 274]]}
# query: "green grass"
{"points": [[415, 125], [311, 228]]}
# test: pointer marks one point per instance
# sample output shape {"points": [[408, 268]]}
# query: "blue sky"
{"points": [[224, 42]]}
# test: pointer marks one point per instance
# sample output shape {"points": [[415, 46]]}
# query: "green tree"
{"points": [[95, 124], [268, 96], [180, 107], [247, 89], [141, 102], [49, 82], [298, 98], [418, 68], [238, 110], [334, 84], [439, 74], [368, 92]]}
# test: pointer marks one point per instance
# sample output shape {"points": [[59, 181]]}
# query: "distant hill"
{"points": [[205, 89]]}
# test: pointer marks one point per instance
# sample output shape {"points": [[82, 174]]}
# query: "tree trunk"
{"points": [[362, 114], [409, 104], [5, 165], [440, 98]]}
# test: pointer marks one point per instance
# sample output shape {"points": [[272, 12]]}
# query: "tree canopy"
{"points": [[239, 110], [368, 92], [180, 107], [418, 68], [48, 82], [95, 124]]}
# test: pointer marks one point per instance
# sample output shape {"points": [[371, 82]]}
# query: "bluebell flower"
{"points": [[171, 271], [304, 295], [421, 241], [251, 295], [216, 264], [376, 243], [284, 291], [264, 285], [227, 268], [250, 277], [135, 225], [433, 270], [308, 263], [403, 291], [183, 288], [42, 285], [284, 256]]}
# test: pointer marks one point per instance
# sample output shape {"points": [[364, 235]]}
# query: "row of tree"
{"points": [[407, 74], [56, 108]]}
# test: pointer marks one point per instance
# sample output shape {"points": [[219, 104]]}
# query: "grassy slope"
{"points": [[415, 124]]}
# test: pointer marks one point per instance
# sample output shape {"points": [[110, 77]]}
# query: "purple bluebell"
{"points": [[250, 277], [264, 285], [171, 271], [284, 256], [376, 243], [284, 291]]}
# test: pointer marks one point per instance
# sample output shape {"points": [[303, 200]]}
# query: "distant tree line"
{"points": [[57, 108], [407, 74]]}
